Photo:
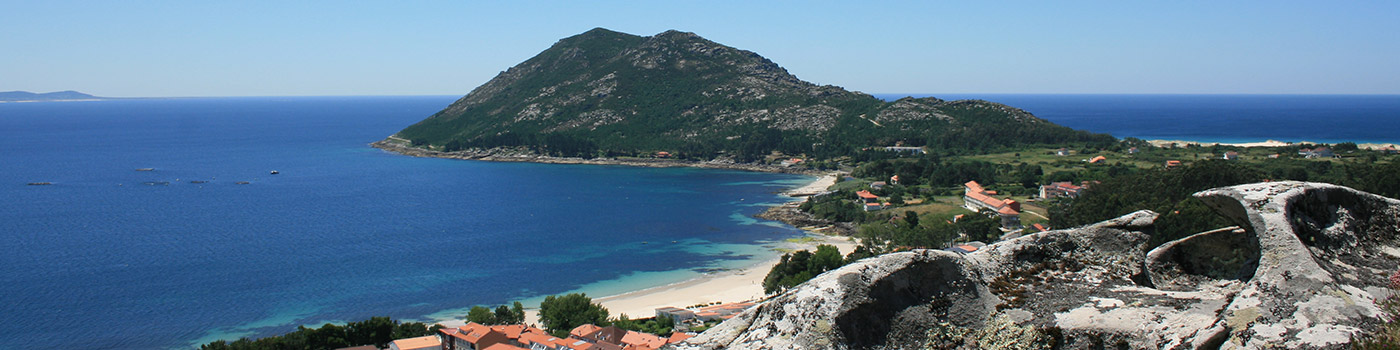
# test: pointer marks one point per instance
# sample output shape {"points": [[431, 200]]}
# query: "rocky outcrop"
{"points": [[1304, 269]]}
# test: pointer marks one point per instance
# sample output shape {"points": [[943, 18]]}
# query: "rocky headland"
{"points": [[1305, 268]]}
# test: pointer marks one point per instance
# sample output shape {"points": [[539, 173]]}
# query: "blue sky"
{"points": [[275, 48]]}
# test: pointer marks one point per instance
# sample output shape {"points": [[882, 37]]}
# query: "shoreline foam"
{"points": [[734, 285]]}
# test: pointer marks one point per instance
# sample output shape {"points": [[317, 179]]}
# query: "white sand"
{"points": [[818, 186], [725, 287], [1268, 143]]}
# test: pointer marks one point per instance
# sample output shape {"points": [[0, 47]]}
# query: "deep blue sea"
{"points": [[1214, 118], [113, 258]]}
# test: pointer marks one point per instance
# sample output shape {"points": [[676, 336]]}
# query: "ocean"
{"points": [[108, 257], [114, 258], [1214, 118]]}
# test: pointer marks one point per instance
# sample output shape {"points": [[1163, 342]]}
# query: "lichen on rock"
{"points": [[1304, 269]]}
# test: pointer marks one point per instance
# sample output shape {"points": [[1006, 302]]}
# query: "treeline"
{"points": [[514, 314], [797, 267], [558, 315], [933, 232], [377, 331]]}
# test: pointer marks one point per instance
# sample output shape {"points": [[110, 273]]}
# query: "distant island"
{"points": [[26, 96]]}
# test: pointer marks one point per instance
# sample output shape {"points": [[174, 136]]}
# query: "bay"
{"points": [[344, 232]]}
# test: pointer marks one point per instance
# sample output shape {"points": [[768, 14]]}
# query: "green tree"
{"points": [[826, 258], [481, 314], [519, 312], [911, 218], [560, 314], [505, 316]]}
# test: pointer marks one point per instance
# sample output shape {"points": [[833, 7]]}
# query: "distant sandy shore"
{"points": [[726, 286], [1268, 143]]}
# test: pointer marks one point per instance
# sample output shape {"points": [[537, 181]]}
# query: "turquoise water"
{"points": [[344, 232]]}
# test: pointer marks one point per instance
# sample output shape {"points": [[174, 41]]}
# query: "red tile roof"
{"points": [[425, 342], [546, 340], [1098, 159], [643, 340], [866, 195], [503, 346], [583, 330], [973, 186], [678, 337]]}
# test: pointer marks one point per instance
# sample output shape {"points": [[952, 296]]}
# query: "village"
{"points": [[475, 336]]}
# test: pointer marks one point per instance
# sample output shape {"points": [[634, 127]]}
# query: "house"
{"points": [[472, 336], [583, 330], [1273, 156], [676, 314], [642, 341], [912, 150], [725, 311], [1098, 160], [791, 162], [610, 334], [1320, 152], [894, 180], [1040, 228], [1062, 152], [1231, 155], [1060, 189], [663, 154], [503, 346], [419, 343], [612, 337], [1133, 150], [1388, 149], [677, 337], [1172, 164], [867, 197], [877, 185], [543, 341], [976, 198]]}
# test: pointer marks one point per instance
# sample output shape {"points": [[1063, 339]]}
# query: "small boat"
{"points": [[40, 183], [146, 169], [242, 183], [199, 182], [154, 183], [274, 172]]}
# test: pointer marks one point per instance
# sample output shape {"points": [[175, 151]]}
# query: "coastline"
{"points": [[734, 285], [1265, 143], [398, 145]]}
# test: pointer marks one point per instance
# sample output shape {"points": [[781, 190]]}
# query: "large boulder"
{"points": [[1304, 269]]}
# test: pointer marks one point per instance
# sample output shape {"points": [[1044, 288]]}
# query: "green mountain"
{"points": [[609, 93], [12, 96]]}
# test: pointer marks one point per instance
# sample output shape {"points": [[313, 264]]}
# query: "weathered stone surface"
{"points": [[1303, 270]]}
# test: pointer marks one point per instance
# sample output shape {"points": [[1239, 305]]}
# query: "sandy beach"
{"points": [[1267, 143], [726, 286]]}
